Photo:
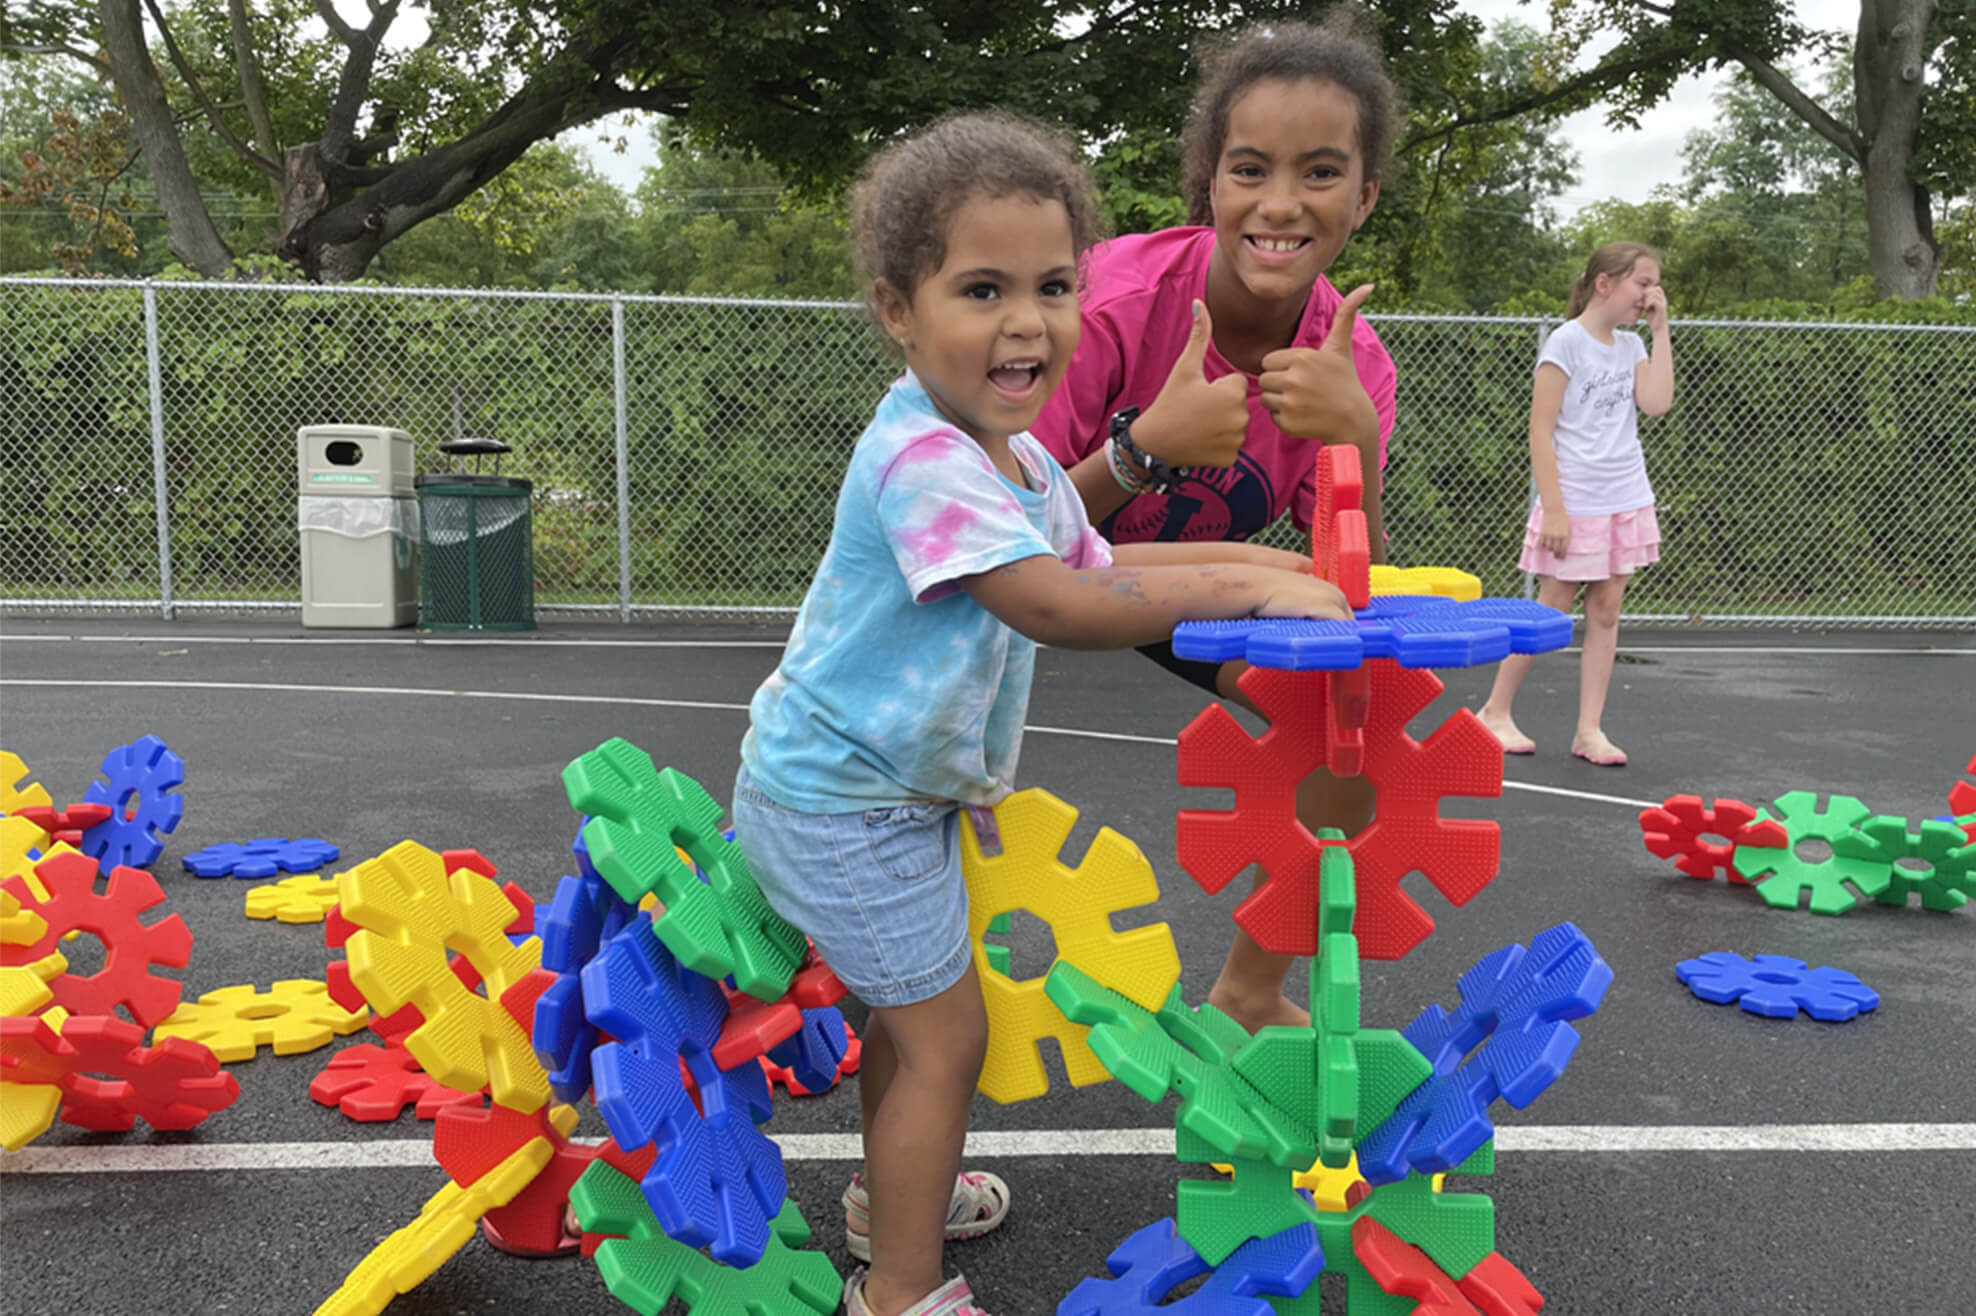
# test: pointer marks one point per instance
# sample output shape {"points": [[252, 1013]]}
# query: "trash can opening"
{"points": [[343, 453]]}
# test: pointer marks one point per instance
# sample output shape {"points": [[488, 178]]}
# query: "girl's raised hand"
{"points": [[1315, 393], [1195, 421], [1656, 309]]}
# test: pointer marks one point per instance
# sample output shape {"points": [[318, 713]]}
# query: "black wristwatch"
{"points": [[1163, 477]]}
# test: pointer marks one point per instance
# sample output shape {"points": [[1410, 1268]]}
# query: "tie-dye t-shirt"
{"points": [[896, 685]]}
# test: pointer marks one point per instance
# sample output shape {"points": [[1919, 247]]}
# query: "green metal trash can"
{"points": [[476, 547]]}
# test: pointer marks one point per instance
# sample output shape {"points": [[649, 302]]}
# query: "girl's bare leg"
{"points": [[1552, 593], [1602, 599], [916, 1099]]}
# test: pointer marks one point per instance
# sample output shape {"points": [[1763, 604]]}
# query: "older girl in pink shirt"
{"points": [[1216, 359]]}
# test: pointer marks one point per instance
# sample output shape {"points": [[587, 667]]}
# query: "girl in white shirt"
{"points": [[1593, 524]]}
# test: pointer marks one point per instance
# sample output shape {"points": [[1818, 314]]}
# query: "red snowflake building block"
{"points": [[65, 826], [109, 1078], [470, 1140], [815, 984], [1340, 550], [1498, 1288], [131, 948], [1407, 833], [1962, 795], [374, 1084], [1674, 830], [1404, 1270]]}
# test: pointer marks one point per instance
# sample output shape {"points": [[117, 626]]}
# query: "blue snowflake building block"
{"points": [[1153, 1262], [142, 792], [262, 857], [1514, 1005], [716, 1181], [1415, 630], [813, 1052], [1777, 986], [583, 916]]}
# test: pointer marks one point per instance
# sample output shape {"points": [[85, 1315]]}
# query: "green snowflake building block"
{"points": [[1835, 884], [999, 957], [1189, 1053], [1456, 1230], [640, 819], [1216, 1216], [644, 1269], [1949, 879]]}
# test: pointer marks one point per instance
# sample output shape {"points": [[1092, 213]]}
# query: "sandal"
{"points": [[979, 1205], [954, 1298]]}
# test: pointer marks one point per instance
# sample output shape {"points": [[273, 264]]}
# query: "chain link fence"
{"points": [[685, 452]]}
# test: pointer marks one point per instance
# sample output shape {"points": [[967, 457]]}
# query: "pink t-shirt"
{"points": [[1139, 292]]}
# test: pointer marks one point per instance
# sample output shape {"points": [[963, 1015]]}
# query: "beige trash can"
{"points": [[358, 518]]}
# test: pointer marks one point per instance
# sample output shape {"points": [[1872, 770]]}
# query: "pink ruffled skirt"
{"points": [[1615, 545]]}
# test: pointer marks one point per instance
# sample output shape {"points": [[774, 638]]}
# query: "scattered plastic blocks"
{"points": [[1962, 795], [717, 1179], [1514, 1005], [1460, 856], [292, 1016], [301, 899], [716, 920], [410, 913], [1947, 877], [1077, 903], [16, 791], [1677, 830], [131, 948], [64, 825], [645, 1269], [1148, 1266], [1834, 884], [261, 857], [1777, 986], [109, 1079], [142, 784]]}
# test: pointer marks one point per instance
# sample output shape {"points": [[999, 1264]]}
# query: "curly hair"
{"points": [[1339, 52], [908, 193]]}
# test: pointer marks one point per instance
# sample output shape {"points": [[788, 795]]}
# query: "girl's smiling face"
{"points": [[1290, 188], [990, 333]]}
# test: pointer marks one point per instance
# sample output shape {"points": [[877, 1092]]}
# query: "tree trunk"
{"points": [[193, 238], [1888, 62]]}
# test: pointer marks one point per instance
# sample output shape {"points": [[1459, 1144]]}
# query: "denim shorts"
{"points": [[879, 891]]}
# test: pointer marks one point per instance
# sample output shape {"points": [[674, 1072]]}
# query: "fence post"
{"points": [[159, 492], [1529, 578], [623, 460]]}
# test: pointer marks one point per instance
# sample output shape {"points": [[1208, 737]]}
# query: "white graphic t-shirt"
{"points": [[1600, 467]]}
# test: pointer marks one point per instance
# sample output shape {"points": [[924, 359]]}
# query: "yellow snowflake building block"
{"points": [[27, 1110], [17, 837], [1444, 582], [293, 1016], [16, 792], [24, 987], [303, 898], [1077, 903], [410, 913], [1331, 1189], [449, 1218], [19, 926]]}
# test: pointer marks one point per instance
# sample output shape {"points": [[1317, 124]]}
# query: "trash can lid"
{"points": [[442, 479], [471, 447]]}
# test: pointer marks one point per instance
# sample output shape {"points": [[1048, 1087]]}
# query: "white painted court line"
{"points": [[542, 697], [1595, 1139], [432, 641]]}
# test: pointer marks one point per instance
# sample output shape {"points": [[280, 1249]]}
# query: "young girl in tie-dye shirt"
{"points": [[958, 546]]}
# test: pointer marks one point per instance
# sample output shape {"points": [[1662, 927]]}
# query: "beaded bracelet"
{"points": [[1121, 471], [1158, 475]]}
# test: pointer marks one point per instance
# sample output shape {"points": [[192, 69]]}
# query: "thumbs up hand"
{"points": [[1195, 422], [1315, 393]]}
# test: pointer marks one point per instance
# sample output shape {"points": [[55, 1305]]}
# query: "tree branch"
{"points": [[1777, 84], [73, 52], [253, 88], [340, 125], [213, 115], [1592, 80]]}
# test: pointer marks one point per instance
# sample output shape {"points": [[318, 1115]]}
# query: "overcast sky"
{"points": [[1625, 165]]}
